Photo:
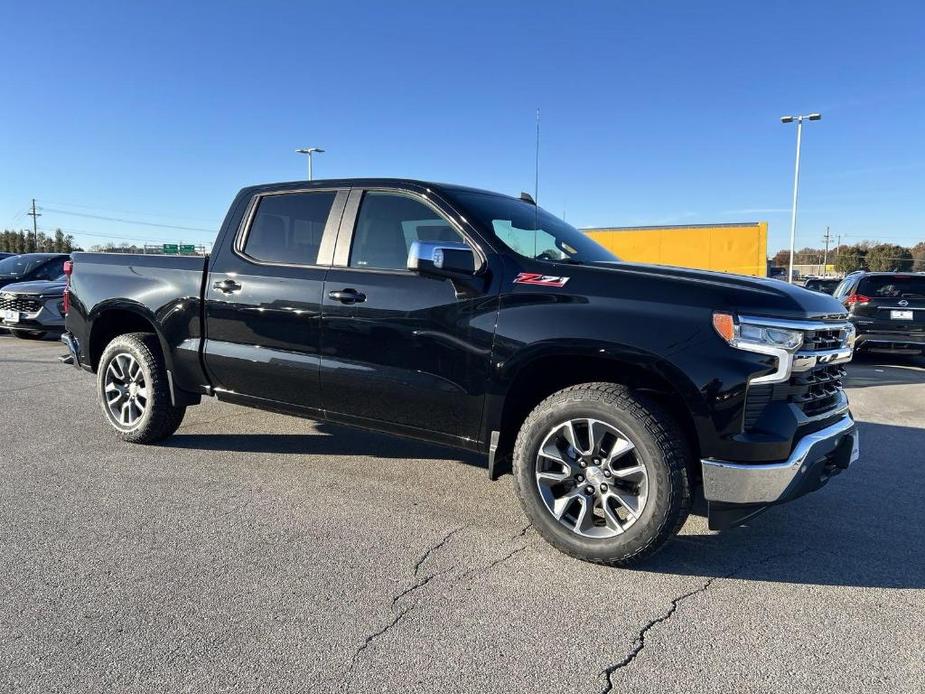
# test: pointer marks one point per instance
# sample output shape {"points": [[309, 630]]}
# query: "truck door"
{"points": [[401, 351], [263, 299]]}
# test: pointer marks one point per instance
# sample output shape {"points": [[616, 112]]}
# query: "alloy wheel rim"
{"points": [[125, 390], [590, 478]]}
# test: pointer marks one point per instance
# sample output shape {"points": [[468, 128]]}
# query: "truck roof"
{"points": [[366, 183]]}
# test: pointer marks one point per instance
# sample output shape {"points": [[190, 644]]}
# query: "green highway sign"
{"points": [[171, 249], [187, 248]]}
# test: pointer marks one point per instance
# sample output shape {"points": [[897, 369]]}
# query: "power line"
{"points": [[124, 211], [131, 221]]}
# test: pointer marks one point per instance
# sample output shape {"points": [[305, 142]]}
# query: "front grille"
{"points": [[817, 340], [815, 391], [15, 302]]}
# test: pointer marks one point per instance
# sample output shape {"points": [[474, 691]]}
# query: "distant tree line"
{"points": [[23, 241], [877, 257]]}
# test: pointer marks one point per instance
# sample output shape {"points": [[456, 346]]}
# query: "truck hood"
{"points": [[36, 288], [723, 291]]}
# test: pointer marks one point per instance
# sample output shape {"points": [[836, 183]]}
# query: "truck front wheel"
{"points": [[134, 391], [602, 473]]}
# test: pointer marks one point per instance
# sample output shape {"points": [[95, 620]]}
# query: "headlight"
{"points": [[776, 337], [744, 335], [772, 340]]}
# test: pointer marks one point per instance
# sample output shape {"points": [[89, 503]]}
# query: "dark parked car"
{"points": [[31, 310], [4, 254], [28, 267], [888, 310], [478, 320], [821, 284]]}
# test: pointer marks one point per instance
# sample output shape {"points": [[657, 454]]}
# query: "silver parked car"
{"points": [[30, 310]]}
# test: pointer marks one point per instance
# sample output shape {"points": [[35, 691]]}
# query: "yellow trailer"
{"points": [[738, 248]]}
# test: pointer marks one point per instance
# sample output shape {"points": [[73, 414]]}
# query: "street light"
{"points": [[309, 151], [796, 180]]}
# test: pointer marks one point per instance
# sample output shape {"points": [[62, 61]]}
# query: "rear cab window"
{"points": [[287, 228]]}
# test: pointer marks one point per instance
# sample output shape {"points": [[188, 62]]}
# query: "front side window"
{"points": [[388, 224], [530, 231], [287, 228]]}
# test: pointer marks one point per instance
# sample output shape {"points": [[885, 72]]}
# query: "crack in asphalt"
{"points": [[640, 642], [417, 584], [484, 569]]}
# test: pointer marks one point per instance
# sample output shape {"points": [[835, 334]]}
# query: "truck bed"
{"points": [[165, 291]]}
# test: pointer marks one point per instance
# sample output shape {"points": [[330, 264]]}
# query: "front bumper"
{"points": [[44, 319], [736, 491]]}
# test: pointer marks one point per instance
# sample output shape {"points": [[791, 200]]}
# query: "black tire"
{"points": [[26, 335], [160, 417], [660, 448]]}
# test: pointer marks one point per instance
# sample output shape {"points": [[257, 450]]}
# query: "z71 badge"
{"points": [[542, 280]]}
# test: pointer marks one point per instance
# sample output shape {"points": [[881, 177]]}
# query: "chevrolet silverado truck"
{"points": [[613, 391]]}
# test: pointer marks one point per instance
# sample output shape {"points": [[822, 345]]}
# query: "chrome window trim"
{"points": [[351, 216], [330, 227]]}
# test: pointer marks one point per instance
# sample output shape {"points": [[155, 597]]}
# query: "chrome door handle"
{"points": [[227, 286], [347, 296]]}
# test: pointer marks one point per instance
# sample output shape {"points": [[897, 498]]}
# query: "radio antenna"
{"points": [[536, 182], [536, 164]]}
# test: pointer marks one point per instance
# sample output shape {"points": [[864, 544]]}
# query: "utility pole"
{"points": [[825, 257], [35, 224]]}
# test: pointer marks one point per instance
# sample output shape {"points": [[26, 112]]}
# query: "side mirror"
{"points": [[443, 259]]}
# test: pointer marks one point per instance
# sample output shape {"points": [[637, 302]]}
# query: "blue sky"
{"points": [[652, 112]]}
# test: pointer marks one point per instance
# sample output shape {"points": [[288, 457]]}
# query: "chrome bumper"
{"points": [[815, 457]]}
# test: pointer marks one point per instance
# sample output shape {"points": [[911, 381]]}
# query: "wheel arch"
{"points": [[535, 376], [110, 321]]}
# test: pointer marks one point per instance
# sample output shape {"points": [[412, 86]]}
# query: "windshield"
{"points": [[531, 231], [893, 286], [19, 265]]}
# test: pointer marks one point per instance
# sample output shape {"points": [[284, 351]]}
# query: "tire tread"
{"points": [[668, 438]]}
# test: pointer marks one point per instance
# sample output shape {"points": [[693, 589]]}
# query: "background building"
{"points": [[740, 248]]}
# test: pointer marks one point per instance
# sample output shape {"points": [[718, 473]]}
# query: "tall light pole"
{"points": [[309, 151], [796, 180]]}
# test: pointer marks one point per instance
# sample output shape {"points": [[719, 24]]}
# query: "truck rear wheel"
{"points": [[602, 473], [134, 391]]}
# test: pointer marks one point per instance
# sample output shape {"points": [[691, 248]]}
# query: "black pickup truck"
{"points": [[612, 390]]}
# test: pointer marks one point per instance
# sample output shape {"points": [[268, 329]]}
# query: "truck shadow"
{"points": [[326, 440], [863, 529]]}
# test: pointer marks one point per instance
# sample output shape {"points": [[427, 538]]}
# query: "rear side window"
{"points": [[287, 228], [50, 270], [893, 286], [388, 224]]}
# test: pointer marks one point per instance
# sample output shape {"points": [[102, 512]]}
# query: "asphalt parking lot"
{"points": [[261, 552]]}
